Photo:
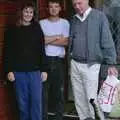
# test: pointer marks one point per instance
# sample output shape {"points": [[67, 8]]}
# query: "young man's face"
{"points": [[80, 5], [54, 9]]}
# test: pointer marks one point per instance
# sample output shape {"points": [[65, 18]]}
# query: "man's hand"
{"points": [[59, 40], [11, 76], [44, 76], [50, 39], [113, 71], [59, 37]]}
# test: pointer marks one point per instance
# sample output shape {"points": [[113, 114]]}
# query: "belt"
{"points": [[54, 58], [81, 60]]}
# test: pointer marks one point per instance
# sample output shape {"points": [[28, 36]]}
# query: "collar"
{"points": [[87, 12]]}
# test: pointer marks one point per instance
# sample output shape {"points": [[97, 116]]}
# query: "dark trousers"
{"points": [[28, 87], [55, 86]]}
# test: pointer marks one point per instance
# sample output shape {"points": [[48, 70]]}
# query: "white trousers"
{"points": [[84, 79]]}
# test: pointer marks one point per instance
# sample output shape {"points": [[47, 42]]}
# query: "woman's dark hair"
{"points": [[20, 10]]}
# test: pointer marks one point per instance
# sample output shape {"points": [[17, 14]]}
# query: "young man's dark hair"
{"points": [[56, 1]]}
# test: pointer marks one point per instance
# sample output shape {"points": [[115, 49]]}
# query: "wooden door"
{"points": [[7, 11]]}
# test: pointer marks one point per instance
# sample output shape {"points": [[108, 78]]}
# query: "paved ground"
{"points": [[65, 118], [70, 113]]}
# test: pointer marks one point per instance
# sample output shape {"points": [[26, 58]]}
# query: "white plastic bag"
{"points": [[115, 112], [106, 97]]}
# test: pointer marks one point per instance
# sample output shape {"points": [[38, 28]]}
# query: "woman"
{"points": [[24, 62]]}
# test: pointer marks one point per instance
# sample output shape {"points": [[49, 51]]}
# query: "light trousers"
{"points": [[84, 79]]}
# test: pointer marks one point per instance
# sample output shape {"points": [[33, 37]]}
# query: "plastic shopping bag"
{"points": [[106, 96], [115, 112]]}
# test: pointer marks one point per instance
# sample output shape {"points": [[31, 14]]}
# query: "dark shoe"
{"points": [[98, 112], [89, 118]]}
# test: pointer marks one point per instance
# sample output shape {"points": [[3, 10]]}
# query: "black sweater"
{"points": [[24, 49]]}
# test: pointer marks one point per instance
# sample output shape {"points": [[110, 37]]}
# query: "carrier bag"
{"points": [[115, 112], [107, 93]]}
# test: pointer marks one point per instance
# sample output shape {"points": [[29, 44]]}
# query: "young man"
{"points": [[90, 45], [56, 33]]}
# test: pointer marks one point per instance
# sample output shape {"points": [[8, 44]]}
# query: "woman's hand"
{"points": [[44, 76], [11, 76]]}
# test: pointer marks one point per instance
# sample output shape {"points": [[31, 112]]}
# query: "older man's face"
{"points": [[80, 5]]}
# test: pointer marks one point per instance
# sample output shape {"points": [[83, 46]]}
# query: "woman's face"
{"points": [[27, 14]]}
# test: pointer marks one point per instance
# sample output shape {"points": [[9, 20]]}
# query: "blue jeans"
{"points": [[28, 86], [44, 101]]}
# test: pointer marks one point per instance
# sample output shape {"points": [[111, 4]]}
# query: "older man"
{"points": [[90, 45]]}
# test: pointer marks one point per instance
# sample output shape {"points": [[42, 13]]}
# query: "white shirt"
{"points": [[51, 28], [87, 12]]}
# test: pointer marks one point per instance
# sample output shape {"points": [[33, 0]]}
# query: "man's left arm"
{"points": [[107, 44], [63, 39]]}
